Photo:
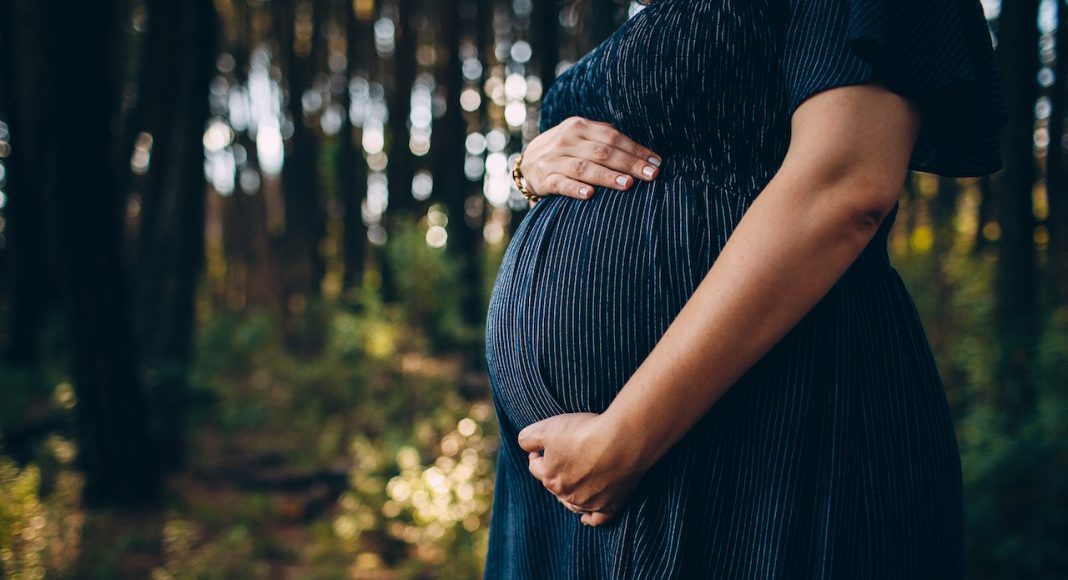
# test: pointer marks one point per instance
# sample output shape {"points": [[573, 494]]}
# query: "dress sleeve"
{"points": [[938, 52]]}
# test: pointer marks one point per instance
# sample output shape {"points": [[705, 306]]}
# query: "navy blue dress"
{"points": [[835, 455]]}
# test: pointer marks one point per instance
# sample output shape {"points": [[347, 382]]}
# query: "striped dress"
{"points": [[835, 455]]}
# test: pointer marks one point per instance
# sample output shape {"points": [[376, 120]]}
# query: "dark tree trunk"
{"points": [[1056, 184], [465, 231], [547, 41], [172, 216], [402, 206], [118, 456], [252, 277], [1017, 313], [303, 265], [26, 105], [401, 164], [352, 168]]}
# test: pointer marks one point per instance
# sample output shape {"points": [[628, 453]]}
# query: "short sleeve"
{"points": [[938, 52]]}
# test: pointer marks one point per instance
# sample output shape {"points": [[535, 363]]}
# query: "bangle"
{"points": [[521, 182]]}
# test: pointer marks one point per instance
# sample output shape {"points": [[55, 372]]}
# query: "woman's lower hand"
{"points": [[578, 154], [589, 468]]}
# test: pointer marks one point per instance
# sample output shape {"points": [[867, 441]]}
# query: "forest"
{"points": [[246, 248]]}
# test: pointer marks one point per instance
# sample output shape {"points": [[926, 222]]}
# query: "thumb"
{"points": [[532, 437]]}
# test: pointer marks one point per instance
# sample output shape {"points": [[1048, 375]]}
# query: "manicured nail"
{"points": [[584, 191], [648, 171], [622, 180], [654, 161]]}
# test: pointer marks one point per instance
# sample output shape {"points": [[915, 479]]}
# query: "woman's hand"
{"points": [[577, 154], [581, 460]]}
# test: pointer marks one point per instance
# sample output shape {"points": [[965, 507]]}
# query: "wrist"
{"points": [[635, 439]]}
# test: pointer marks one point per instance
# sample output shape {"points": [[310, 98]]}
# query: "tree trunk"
{"points": [[547, 41], [352, 168], [30, 169], [303, 265], [402, 206], [118, 456], [1017, 313], [1056, 184], [450, 131], [172, 215], [401, 164]]}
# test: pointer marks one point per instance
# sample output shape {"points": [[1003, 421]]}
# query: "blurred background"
{"points": [[245, 253]]}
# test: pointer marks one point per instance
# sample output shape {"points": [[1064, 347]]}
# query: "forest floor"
{"points": [[276, 474]]}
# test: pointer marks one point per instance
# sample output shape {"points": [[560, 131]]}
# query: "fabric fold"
{"points": [[938, 52]]}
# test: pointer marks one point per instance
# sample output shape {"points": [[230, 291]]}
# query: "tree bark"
{"points": [[352, 168], [171, 241], [1056, 184], [1016, 296], [547, 41], [401, 164], [303, 265], [450, 132], [120, 461], [402, 206], [30, 169]]}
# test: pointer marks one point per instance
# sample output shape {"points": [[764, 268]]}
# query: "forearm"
{"points": [[792, 245]]}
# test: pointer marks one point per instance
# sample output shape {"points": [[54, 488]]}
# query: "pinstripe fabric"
{"points": [[835, 455]]}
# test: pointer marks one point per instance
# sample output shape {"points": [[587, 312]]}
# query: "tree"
{"points": [[351, 167], [303, 265], [171, 240], [1016, 296], [26, 104], [1056, 181], [120, 462]]}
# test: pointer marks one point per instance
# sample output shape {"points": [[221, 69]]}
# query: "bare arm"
{"points": [[841, 176]]}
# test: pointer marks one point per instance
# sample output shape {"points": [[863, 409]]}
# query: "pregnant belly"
{"points": [[586, 288]]}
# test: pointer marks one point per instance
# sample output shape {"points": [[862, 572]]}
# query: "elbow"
{"points": [[862, 200], [864, 203]]}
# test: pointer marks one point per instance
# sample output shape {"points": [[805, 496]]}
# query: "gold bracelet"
{"points": [[521, 182]]}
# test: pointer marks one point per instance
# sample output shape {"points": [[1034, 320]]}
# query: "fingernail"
{"points": [[654, 161], [584, 191], [622, 180], [648, 171]]}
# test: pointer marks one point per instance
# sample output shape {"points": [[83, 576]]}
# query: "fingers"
{"points": [[570, 506], [588, 171], [578, 155], [531, 437], [607, 134], [614, 160], [536, 466], [566, 186]]}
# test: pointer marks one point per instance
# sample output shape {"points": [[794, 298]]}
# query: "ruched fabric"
{"points": [[834, 456], [938, 52]]}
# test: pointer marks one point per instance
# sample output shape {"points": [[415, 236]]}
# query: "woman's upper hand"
{"points": [[578, 154], [579, 458]]}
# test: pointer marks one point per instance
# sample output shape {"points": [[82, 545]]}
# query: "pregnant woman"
{"points": [[702, 362]]}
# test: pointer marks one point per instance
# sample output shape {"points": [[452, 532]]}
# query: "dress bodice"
{"points": [[718, 80], [663, 79]]}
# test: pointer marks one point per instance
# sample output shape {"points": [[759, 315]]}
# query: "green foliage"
{"points": [[22, 519], [1015, 469], [230, 343], [226, 556], [39, 535], [428, 283], [422, 509]]}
